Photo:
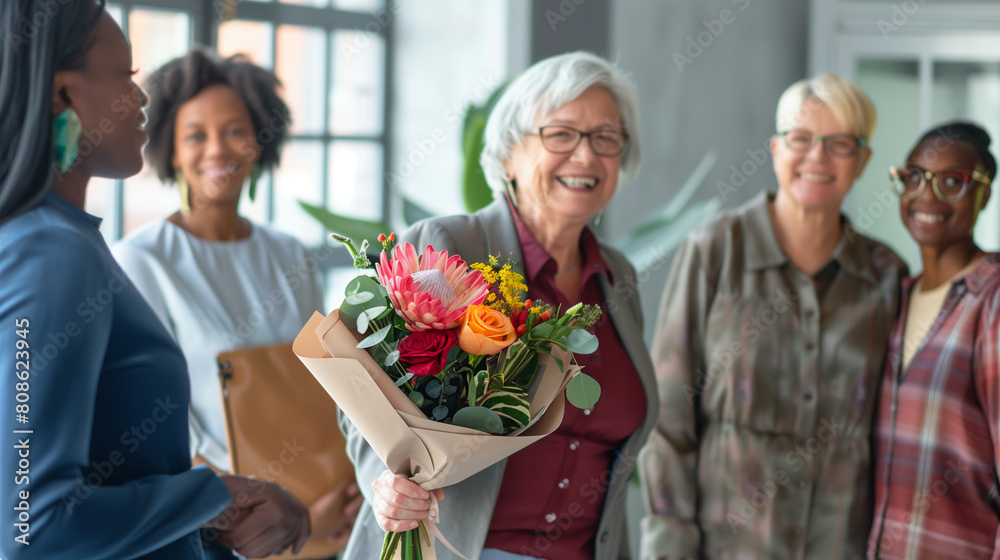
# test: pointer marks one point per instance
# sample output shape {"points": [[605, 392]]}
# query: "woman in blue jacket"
{"points": [[95, 394]]}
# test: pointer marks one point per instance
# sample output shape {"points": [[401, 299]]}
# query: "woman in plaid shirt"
{"points": [[938, 421]]}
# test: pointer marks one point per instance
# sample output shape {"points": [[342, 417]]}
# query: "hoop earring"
{"points": [[182, 188], [255, 174], [66, 131]]}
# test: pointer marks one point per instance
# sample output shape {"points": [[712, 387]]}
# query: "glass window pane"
{"points": [[256, 210], [358, 5], [356, 96], [337, 279], [355, 179], [99, 203], [969, 91], [252, 38], [147, 199], [157, 36], [115, 11], [299, 178], [313, 3], [301, 66], [873, 208]]}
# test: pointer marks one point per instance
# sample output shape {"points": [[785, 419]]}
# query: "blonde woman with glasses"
{"points": [[768, 352]]}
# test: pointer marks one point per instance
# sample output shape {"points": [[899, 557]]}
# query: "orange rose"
{"points": [[485, 331]]}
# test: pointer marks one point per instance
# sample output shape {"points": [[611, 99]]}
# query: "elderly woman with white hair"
{"points": [[557, 143], [768, 351]]}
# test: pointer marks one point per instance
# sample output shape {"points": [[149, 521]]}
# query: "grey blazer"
{"points": [[468, 505]]}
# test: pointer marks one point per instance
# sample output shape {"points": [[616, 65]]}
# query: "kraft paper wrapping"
{"points": [[431, 454]]}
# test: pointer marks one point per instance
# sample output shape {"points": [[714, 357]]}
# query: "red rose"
{"points": [[427, 351]]}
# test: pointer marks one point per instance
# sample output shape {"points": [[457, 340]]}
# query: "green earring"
{"points": [[66, 130], [254, 175], [182, 188]]}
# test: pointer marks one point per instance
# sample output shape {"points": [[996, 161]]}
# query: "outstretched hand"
{"points": [[333, 515], [263, 519]]}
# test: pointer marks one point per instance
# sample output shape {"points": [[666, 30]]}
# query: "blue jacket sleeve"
{"points": [[46, 511]]}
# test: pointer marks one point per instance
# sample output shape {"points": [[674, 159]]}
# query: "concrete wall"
{"points": [[709, 75]]}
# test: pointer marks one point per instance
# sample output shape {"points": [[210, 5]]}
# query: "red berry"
{"points": [[381, 238]]}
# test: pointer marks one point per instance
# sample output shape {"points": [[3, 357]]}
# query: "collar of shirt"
{"points": [[538, 263], [975, 279], [760, 244]]}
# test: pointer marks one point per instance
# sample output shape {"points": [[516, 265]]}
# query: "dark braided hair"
{"points": [[38, 39], [180, 80], [966, 132]]}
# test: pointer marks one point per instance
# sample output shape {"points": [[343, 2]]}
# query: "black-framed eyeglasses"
{"points": [[840, 145], [949, 185], [565, 139]]}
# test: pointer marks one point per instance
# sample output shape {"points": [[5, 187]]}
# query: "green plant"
{"points": [[476, 192]]}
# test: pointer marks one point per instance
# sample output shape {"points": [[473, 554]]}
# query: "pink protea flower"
{"points": [[431, 291]]}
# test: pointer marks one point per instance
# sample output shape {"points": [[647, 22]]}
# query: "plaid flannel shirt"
{"points": [[938, 430]]}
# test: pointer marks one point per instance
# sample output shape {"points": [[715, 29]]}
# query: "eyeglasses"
{"points": [[563, 140], [840, 145], [949, 185]]}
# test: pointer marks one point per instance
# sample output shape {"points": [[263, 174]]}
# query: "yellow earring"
{"points": [[182, 188]]}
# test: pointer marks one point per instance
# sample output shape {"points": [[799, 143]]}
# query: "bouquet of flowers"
{"points": [[454, 351]]}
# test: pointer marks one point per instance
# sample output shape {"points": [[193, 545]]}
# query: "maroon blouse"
{"points": [[553, 491]]}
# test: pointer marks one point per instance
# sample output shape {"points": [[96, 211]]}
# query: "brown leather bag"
{"points": [[282, 427]]}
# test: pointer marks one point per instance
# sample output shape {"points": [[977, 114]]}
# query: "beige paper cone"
{"points": [[432, 454]]}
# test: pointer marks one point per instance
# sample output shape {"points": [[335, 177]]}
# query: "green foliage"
{"points": [[583, 391], [476, 192]]}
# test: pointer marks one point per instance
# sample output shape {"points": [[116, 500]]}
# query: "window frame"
{"points": [[205, 19]]}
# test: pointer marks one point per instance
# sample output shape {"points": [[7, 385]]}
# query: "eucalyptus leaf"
{"points": [[373, 312], [374, 338], [417, 398], [449, 390], [583, 391], [362, 325], [479, 418], [359, 298], [391, 359], [581, 342], [432, 388], [440, 412], [404, 379]]}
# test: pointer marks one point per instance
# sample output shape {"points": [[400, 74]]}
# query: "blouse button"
{"points": [[587, 411], [810, 346], [550, 517], [573, 446], [564, 483], [809, 313], [807, 396]]}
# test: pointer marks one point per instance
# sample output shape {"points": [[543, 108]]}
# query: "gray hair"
{"points": [[544, 88]]}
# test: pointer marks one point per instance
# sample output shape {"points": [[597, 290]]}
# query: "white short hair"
{"points": [[849, 104], [545, 87]]}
